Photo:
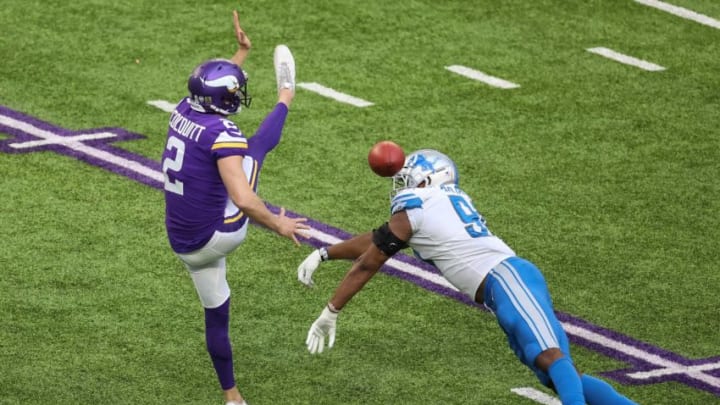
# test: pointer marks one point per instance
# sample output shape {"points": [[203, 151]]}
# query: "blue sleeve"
{"points": [[405, 201]]}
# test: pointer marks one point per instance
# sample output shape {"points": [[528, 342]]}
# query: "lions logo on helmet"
{"points": [[427, 168]]}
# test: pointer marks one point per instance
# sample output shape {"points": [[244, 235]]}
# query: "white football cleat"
{"points": [[284, 68]]}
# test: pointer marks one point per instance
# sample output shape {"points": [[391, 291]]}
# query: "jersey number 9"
{"points": [[474, 222]]}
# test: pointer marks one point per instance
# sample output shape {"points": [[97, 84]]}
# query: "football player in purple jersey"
{"points": [[211, 173], [434, 217]]}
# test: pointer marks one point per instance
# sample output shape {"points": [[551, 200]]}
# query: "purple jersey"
{"points": [[196, 201]]}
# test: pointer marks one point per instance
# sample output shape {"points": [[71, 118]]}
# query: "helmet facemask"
{"points": [[231, 102], [425, 168], [218, 86]]}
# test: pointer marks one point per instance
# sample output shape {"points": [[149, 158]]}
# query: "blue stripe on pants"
{"points": [[518, 295]]}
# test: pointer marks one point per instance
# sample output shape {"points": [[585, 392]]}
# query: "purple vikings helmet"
{"points": [[219, 86], [428, 167]]}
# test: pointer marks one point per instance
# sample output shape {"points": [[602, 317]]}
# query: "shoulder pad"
{"points": [[405, 201]]}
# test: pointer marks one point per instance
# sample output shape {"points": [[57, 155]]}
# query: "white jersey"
{"points": [[450, 233]]}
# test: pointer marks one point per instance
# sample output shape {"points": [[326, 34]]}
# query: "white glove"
{"points": [[308, 267], [323, 326]]}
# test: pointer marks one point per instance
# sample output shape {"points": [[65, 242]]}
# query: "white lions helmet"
{"points": [[426, 167]]}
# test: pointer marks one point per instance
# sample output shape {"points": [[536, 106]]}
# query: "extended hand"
{"points": [[242, 38], [308, 267], [291, 227], [323, 326]]}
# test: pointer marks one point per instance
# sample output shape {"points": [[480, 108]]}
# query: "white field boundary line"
{"points": [[163, 105], [537, 396], [681, 12], [334, 94], [626, 59], [482, 77], [76, 145]]}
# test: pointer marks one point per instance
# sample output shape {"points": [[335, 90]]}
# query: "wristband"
{"points": [[332, 308], [323, 254]]}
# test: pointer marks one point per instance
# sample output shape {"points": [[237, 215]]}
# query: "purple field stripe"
{"points": [[18, 136], [564, 317]]}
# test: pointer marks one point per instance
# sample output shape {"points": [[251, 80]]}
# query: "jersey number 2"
{"points": [[174, 186]]}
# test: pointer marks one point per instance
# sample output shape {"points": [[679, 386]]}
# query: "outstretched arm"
{"points": [[243, 40], [350, 249], [384, 242], [245, 198], [360, 273], [370, 261]]}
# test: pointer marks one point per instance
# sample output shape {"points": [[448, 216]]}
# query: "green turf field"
{"points": [[603, 174]]}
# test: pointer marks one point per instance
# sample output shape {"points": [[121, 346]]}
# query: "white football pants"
{"points": [[207, 266]]}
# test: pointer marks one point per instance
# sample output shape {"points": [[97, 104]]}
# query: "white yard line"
{"points": [[537, 396], [334, 94], [681, 12], [626, 59], [163, 105], [483, 77]]}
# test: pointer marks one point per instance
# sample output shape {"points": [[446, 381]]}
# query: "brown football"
{"points": [[386, 158]]}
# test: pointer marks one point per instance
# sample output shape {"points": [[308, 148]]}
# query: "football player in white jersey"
{"points": [[433, 216]]}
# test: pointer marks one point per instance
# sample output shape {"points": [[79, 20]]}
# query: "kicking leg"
{"points": [[268, 134]]}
